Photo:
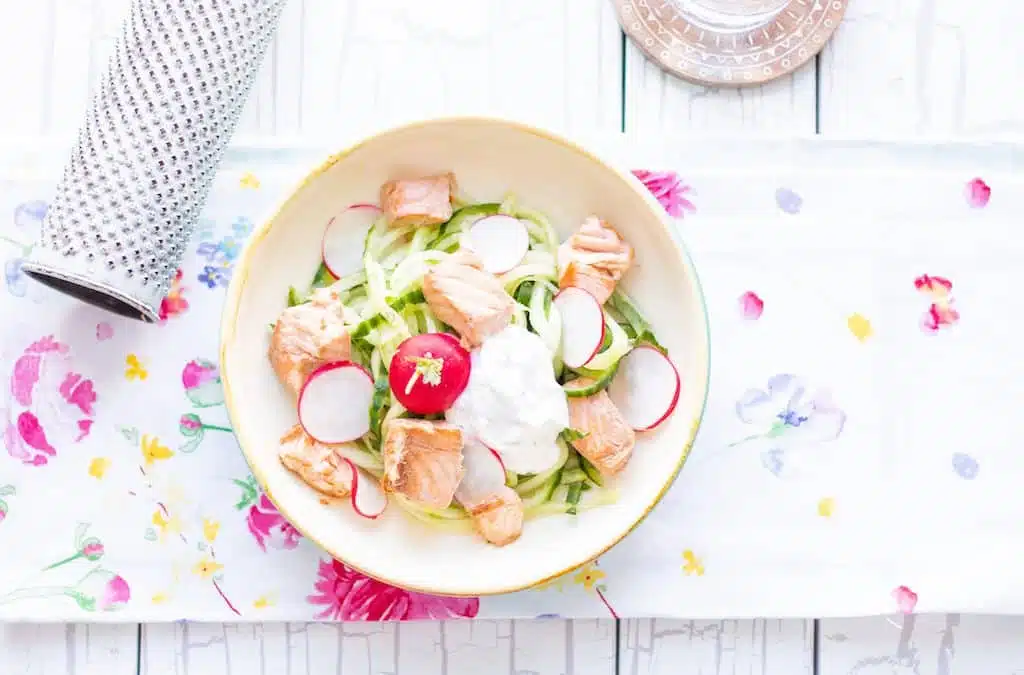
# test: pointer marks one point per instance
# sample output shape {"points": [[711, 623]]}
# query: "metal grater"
{"points": [[145, 159]]}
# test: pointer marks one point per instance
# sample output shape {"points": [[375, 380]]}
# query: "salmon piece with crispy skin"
{"points": [[317, 464], [594, 258], [499, 518], [423, 460], [307, 336], [467, 298], [609, 440], [419, 201]]}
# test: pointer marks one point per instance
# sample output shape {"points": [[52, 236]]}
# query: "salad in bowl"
{"points": [[465, 356], [468, 366]]}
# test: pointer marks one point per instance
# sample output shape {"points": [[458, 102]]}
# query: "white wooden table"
{"points": [[896, 67]]}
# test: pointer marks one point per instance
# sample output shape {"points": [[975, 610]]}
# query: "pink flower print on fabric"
{"points": [[751, 306], [31, 432], [201, 379], [175, 302], [104, 331], [115, 593], [101, 590], [977, 193], [190, 424], [269, 527], [347, 595], [940, 313], [49, 405], [78, 392], [906, 599], [668, 188], [26, 369], [93, 549]]}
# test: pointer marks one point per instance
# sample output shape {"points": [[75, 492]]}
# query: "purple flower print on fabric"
{"points": [[786, 412]]}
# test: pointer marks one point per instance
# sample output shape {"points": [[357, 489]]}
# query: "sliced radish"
{"points": [[341, 252], [497, 456], [500, 241], [334, 403], [484, 474], [646, 388], [582, 325], [368, 498]]}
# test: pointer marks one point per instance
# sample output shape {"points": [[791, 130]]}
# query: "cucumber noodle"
{"points": [[388, 306]]}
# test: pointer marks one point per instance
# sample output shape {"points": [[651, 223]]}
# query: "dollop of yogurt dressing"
{"points": [[512, 402]]}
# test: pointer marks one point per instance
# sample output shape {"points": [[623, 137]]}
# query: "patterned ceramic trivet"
{"points": [[730, 42]]}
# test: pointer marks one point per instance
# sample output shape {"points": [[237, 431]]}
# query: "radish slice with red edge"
{"points": [[582, 325], [335, 401], [497, 456], [646, 388], [483, 474], [341, 252], [368, 498], [500, 241]]}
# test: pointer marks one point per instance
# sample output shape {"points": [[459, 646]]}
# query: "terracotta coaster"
{"points": [[730, 42]]}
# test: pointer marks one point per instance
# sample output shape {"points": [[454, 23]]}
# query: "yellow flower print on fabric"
{"points": [[133, 368], [592, 579], [264, 601], [98, 467], [826, 506], [210, 529], [692, 565], [860, 327], [206, 568], [166, 524], [152, 449], [249, 181], [589, 577]]}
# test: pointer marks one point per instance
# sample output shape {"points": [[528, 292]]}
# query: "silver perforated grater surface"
{"points": [[145, 159]]}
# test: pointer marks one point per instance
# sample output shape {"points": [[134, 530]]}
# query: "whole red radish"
{"points": [[428, 372]]}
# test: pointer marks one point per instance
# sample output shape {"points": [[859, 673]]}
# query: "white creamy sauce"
{"points": [[512, 402]]}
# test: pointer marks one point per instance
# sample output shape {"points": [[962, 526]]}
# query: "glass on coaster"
{"points": [[730, 42]]}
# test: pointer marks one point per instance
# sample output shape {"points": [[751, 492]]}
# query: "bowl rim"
{"points": [[232, 305]]}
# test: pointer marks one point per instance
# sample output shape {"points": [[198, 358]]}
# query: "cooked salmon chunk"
{"points": [[307, 336], [467, 298], [499, 518], [608, 443], [595, 258], [318, 465], [423, 460], [420, 201]]}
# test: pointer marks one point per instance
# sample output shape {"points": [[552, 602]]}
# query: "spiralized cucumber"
{"points": [[527, 486], [619, 347], [625, 313], [545, 322], [385, 305], [408, 275], [536, 265], [368, 461], [540, 228], [593, 500]]}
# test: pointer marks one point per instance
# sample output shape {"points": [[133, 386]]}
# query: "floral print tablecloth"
{"points": [[858, 455]]}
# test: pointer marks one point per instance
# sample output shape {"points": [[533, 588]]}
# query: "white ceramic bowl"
{"points": [[490, 158]]}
